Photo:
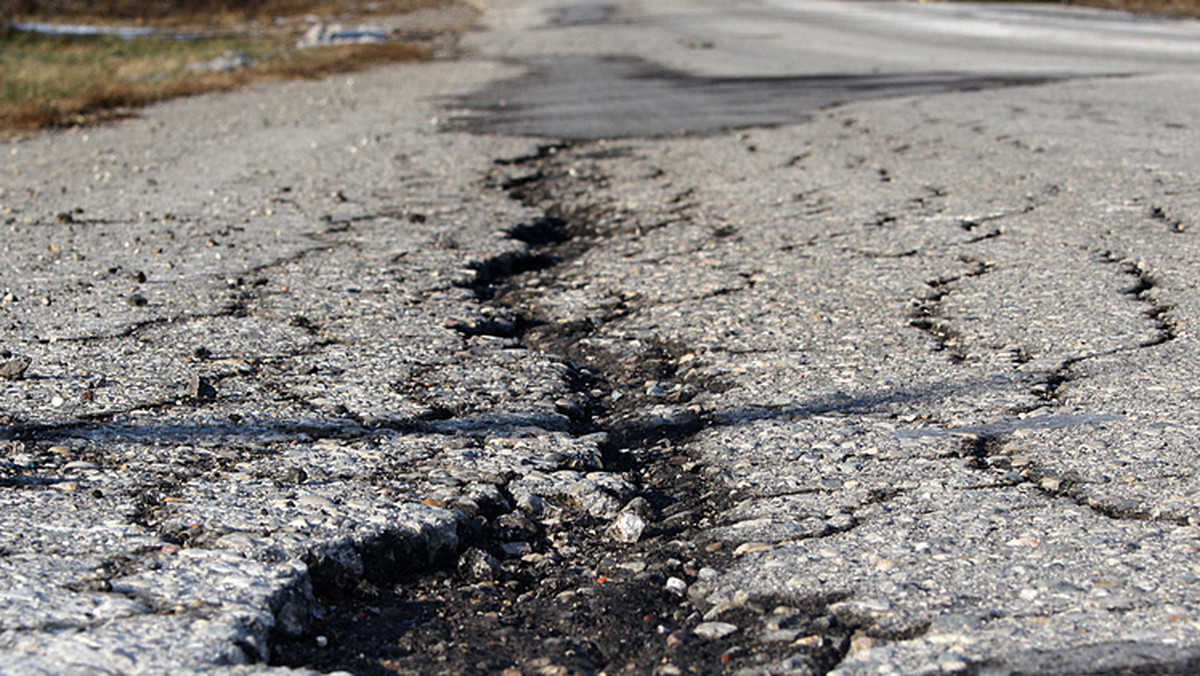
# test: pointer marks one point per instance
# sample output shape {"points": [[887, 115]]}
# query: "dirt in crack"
{"points": [[563, 595], [567, 595]]}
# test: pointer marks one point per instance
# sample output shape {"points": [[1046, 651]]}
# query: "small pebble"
{"points": [[476, 565], [314, 501], [780, 636], [676, 586], [200, 389], [1051, 483], [295, 475], [632, 566], [752, 548], [811, 642], [678, 638], [627, 527], [639, 505], [714, 630], [655, 389]]}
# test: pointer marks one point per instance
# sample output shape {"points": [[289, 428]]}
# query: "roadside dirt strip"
{"points": [[305, 378]]}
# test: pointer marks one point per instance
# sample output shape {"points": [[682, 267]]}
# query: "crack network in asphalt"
{"points": [[607, 601]]}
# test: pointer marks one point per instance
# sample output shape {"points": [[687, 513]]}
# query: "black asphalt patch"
{"points": [[590, 98]]}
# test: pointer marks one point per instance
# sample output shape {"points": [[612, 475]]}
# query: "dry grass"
{"points": [[56, 81], [195, 12], [1176, 8]]}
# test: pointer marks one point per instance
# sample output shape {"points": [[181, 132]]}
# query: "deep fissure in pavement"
{"points": [[583, 599]]}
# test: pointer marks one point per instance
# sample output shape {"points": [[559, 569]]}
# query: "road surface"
{"points": [[868, 325]]}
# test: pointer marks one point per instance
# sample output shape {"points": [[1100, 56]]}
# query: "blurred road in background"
{"points": [[627, 69]]}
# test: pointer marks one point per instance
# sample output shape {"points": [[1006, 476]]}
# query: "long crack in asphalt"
{"points": [[573, 593]]}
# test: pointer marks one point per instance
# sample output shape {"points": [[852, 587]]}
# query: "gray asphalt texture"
{"points": [[933, 341]]}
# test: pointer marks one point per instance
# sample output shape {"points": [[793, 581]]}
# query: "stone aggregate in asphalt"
{"points": [[906, 388]]}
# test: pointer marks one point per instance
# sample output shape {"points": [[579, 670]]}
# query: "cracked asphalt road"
{"points": [[931, 346]]}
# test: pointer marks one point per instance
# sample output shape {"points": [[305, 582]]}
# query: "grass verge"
{"points": [[55, 81], [193, 13], [1176, 8]]}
